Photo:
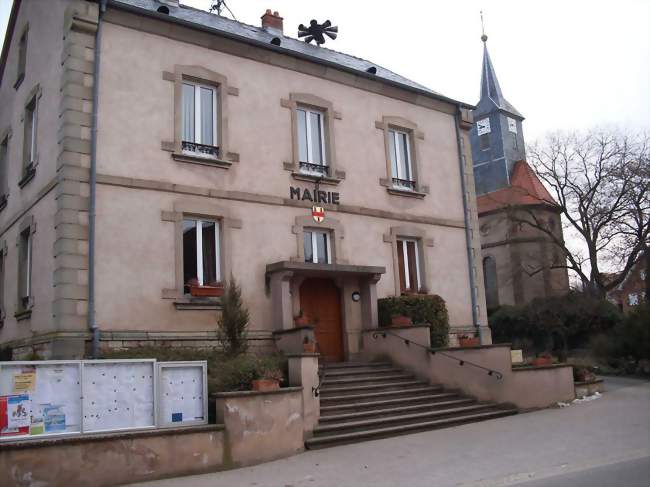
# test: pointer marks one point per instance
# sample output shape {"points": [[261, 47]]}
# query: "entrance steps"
{"points": [[368, 400]]}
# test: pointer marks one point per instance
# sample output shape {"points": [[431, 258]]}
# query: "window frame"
{"points": [[392, 127], [4, 167], [314, 244], [30, 136], [309, 136], [222, 91], [408, 288], [328, 172], [3, 272], [23, 42], [198, 128], [396, 134], [484, 141], [199, 248], [25, 263]]}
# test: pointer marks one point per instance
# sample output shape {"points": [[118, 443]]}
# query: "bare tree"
{"points": [[601, 182]]}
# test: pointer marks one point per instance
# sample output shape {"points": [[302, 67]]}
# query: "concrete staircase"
{"points": [[362, 401]]}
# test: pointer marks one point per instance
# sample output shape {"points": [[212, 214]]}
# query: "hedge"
{"points": [[421, 308]]}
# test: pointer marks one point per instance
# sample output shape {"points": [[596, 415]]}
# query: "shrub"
{"points": [[631, 338], [557, 323], [421, 308], [233, 323]]}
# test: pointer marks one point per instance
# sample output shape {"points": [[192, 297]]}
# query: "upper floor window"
{"points": [[642, 275], [25, 268], [4, 151], [22, 58], [317, 246], [491, 282], [200, 120], [633, 299], [484, 141], [399, 147], [311, 141], [408, 259], [201, 253]]}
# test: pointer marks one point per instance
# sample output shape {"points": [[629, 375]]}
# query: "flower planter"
{"points": [[309, 347], [469, 342], [264, 385], [541, 361], [301, 320], [401, 321], [206, 291]]}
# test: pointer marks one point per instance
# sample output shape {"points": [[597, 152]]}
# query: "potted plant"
{"points": [[269, 380], [302, 319], [583, 374], [401, 320], [212, 290], [543, 359], [468, 341], [308, 346]]}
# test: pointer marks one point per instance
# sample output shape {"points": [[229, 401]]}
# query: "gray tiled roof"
{"points": [[257, 35]]}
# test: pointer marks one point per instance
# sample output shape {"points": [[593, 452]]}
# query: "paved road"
{"points": [[605, 443]]}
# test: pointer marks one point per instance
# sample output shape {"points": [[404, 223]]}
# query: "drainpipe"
{"points": [[468, 230], [92, 325]]}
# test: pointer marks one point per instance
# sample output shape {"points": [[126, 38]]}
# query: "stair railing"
{"points": [[461, 362], [321, 373]]}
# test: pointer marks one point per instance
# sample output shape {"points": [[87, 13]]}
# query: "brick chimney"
{"points": [[272, 22]]}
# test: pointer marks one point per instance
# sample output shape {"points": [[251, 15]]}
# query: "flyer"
{"points": [[18, 411], [25, 381], [53, 418]]}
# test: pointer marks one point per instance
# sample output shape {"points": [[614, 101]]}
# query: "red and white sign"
{"points": [[318, 213]]}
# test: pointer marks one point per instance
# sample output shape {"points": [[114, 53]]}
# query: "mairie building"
{"points": [[149, 151]]}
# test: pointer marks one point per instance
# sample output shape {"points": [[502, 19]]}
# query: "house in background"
{"points": [[518, 260], [632, 291]]}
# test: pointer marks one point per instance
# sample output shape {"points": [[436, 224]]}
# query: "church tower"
{"points": [[497, 137]]}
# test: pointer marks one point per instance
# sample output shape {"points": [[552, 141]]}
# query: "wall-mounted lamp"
{"points": [[356, 296]]}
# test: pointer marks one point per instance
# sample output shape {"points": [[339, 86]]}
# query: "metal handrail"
{"points": [[461, 362], [321, 373]]}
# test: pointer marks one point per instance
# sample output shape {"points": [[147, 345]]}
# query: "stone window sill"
{"points": [[23, 314], [28, 175], [203, 161], [406, 192], [188, 303], [322, 179]]}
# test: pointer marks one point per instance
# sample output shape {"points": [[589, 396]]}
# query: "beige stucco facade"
{"points": [[145, 187]]}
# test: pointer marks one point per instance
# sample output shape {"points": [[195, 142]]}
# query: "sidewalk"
{"points": [[612, 429]]}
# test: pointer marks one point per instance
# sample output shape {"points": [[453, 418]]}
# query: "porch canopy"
{"points": [[282, 276]]}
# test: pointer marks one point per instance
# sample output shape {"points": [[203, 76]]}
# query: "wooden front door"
{"points": [[320, 300]]}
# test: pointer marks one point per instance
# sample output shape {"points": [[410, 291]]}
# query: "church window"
{"points": [[491, 284], [484, 141]]}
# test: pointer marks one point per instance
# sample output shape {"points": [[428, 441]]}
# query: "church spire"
{"points": [[490, 89]]}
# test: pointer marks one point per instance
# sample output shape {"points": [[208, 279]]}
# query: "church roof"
{"points": [[490, 89], [525, 189]]}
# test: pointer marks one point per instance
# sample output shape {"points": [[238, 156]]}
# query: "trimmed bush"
{"points": [[233, 324], [421, 308]]}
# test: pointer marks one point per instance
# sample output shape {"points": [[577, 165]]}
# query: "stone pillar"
{"points": [[303, 371], [368, 291], [70, 304], [281, 301]]}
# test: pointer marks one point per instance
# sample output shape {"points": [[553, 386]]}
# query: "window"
{"points": [[31, 118], [409, 265], [201, 253], [484, 141], [642, 275], [400, 158], [4, 151], [633, 299], [24, 268], [311, 141], [515, 144], [317, 246], [491, 283], [199, 120], [22, 59]]}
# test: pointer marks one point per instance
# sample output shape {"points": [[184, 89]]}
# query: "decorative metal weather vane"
{"points": [[315, 31], [484, 38]]}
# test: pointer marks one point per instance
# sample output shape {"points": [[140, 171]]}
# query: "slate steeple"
{"points": [[497, 137]]}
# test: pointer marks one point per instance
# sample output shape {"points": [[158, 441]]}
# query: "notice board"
{"points": [[118, 394], [183, 393], [40, 399]]}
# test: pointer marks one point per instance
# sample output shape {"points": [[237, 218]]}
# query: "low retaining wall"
{"points": [[113, 459], [525, 387], [589, 388], [261, 426]]}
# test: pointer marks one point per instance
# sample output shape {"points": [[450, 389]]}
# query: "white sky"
{"points": [[563, 64]]}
